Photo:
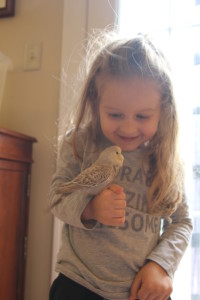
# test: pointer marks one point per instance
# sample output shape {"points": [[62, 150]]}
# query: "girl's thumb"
{"points": [[116, 188]]}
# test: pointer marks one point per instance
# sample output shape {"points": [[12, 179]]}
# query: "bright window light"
{"points": [[175, 24]]}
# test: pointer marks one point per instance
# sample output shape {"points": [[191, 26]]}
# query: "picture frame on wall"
{"points": [[7, 8]]}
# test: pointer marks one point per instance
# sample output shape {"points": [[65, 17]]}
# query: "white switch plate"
{"points": [[32, 57]]}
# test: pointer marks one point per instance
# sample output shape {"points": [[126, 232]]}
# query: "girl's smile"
{"points": [[128, 139], [129, 111]]}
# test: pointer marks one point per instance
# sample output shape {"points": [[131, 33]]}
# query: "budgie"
{"points": [[96, 177]]}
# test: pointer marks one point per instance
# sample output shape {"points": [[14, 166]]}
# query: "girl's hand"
{"points": [[108, 207], [151, 283]]}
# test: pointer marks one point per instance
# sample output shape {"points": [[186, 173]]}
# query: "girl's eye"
{"points": [[115, 115], [142, 117]]}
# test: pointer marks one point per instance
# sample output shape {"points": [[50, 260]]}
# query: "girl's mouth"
{"points": [[128, 139]]}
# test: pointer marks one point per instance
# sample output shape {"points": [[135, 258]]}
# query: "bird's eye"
{"points": [[117, 152]]}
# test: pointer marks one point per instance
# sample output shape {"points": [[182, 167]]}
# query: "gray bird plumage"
{"points": [[96, 177]]}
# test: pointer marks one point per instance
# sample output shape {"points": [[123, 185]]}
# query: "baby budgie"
{"points": [[96, 177]]}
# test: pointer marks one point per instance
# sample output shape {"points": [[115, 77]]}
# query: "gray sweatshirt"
{"points": [[106, 259]]}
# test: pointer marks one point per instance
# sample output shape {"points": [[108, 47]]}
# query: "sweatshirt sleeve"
{"points": [[173, 241], [69, 208]]}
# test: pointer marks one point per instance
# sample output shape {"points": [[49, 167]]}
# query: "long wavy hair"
{"points": [[138, 57]]}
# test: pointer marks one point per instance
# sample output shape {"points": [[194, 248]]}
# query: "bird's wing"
{"points": [[92, 177], [96, 175]]}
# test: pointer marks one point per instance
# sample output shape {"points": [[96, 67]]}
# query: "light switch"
{"points": [[32, 57]]}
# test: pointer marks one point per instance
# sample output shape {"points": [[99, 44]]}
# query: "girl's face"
{"points": [[129, 111]]}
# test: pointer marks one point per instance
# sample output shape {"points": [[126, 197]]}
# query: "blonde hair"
{"points": [[139, 57]]}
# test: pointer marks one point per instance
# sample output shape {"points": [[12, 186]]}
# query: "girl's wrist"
{"points": [[87, 214]]}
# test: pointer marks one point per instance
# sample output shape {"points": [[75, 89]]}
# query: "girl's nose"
{"points": [[129, 127]]}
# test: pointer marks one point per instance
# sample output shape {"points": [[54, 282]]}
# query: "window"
{"points": [[176, 24]]}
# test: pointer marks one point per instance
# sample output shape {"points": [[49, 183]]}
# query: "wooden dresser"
{"points": [[15, 170]]}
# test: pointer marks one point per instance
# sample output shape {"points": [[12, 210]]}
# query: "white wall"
{"points": [[30, 105]]}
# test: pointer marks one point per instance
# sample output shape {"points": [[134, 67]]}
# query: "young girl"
{"points": [[113, 244]]}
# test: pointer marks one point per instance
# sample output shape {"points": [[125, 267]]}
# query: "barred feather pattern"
{"points": [[96, 177]]}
